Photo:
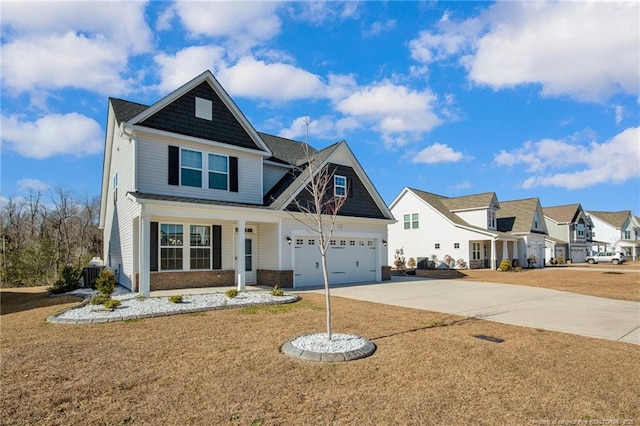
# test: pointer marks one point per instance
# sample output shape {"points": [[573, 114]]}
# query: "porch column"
{"points": [[505, 250], [493, 255], [515, 250], [144, 256], [240, 256]]}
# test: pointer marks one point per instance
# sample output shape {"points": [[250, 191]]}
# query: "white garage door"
{"points": [[349, 260]]}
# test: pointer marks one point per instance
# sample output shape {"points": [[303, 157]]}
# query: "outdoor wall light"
{"points": [[384, 242], [289, 240]]}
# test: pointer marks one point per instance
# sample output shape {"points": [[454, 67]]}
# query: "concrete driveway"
{"points": [[510, 304]]}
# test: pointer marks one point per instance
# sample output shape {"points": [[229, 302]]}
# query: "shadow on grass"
{"points": [[433, 324], [441, 274], [27, 298]]}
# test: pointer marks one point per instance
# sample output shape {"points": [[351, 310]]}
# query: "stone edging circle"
{"points": [[367, 350]]}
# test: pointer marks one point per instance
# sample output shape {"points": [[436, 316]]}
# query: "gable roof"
{"points": [[441, 204], [287, 151], [567, 213], [517, 215], [175, 113], [615, 219]]}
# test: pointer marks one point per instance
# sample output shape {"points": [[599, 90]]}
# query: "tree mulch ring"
{"points": [[489, 338]]}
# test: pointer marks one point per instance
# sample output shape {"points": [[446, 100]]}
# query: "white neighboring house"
{"points": [[570, 232], [618, 231], [193, 196], [461, 227], [524, 219]]}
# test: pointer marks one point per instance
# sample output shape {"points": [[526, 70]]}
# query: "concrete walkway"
{"points": [[510, 304]]}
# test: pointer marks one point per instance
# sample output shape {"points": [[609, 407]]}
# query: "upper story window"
{"points": [[218, 171], [115, 187], [627, 235], [204, 109], [491, 219], [580, 230], [339, 186], [190, 168], [411, 221], [535, 220]]}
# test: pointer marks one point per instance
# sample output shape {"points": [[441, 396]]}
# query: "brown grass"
{"points": [[620, 282], [224, 367]]}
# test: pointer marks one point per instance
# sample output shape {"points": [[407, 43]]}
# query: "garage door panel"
{"points": [[348, 260]]}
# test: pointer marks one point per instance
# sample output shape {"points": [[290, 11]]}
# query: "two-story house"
{"points": [[618, 230], [524, 219], [570, 232], [463, 228], [193, 196]]}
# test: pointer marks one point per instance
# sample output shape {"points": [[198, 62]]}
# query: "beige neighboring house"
{"points": [[617, 231], [525, 220], [570, 233]]}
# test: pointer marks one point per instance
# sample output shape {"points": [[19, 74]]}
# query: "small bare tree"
{"points": [[319, 212]]}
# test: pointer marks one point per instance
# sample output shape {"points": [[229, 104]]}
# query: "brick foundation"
{"points": [[386, 273], [191, 279], [271, 277], [476, 264]]}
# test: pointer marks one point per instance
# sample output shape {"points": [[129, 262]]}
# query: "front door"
{"points": [[249, 260]]}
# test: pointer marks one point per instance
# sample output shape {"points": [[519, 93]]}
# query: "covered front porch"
{"points": [[487, 254]]}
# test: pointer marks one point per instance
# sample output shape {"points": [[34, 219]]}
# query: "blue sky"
{"points": [[532, 99]]}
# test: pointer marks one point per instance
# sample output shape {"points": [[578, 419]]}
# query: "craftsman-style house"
{"points": [[193, 196]]}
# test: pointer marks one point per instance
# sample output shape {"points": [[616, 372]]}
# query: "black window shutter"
{"points": [[216, 242], [233, 174], [174, 165], [153, 253]]}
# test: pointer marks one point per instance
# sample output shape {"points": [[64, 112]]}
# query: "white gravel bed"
{"points": [[320, 343], [133, 307]]}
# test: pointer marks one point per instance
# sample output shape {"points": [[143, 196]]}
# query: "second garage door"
{"points": [[349, 260]]}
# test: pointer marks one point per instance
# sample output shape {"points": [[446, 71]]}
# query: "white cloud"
{"points": [[69, 60], [572, 165], [323, 12], [394, 110], [29, 184], [619, 113], [325, 127], [271, 81], [176, 70], [581, 49], [377, 28], [64, 45], [244, 24], [55, 134], [436, 153]]}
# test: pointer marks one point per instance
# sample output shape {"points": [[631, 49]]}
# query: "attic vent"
{"points": [[204, 109]]}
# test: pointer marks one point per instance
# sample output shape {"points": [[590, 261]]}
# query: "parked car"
{"points": [[614, 257]]}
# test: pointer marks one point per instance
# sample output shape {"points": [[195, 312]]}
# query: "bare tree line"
{"points": [[41, 234]]}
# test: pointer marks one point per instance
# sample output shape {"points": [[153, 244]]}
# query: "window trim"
{"points": [[209, 171], [337, 186], [208, 247], [415, 221], [189, 167], [161, 246]]}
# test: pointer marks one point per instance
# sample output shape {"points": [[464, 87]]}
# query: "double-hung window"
{"points": [[200, 251], [191, 168], [414, 221], [218, 172], [339, 186], [475, 251], [171, 241], [407, 221]]}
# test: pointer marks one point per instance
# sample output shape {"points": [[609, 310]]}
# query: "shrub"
{"points": [[106, 282], [411, 263], [449, 261], [398, 260], [112, 304], [505, 265], [461, 264], [176, 298], [69, 280], [231, 293], [99, 299], [277, 291]]}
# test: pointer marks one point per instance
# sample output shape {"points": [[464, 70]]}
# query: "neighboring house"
{"points": [[570, 232], [524, 219], [463, 228], [618, 231], [193, 196]]}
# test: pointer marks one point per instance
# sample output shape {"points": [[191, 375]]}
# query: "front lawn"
{"points": [[224, 367]]}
